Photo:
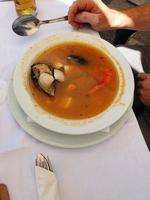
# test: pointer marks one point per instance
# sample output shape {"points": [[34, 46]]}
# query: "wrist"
{"points": [[134, 18], [122, 19]]}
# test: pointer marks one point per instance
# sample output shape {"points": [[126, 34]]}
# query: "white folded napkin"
{"points": [[47, 184], [130, 54]]}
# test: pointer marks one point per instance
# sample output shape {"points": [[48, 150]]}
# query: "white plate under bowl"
{"points": [[62, 140], [65, 126]]}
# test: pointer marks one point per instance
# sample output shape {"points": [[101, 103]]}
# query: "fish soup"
{"points": [[90, 82]]}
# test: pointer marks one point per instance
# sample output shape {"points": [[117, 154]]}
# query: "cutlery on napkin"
{"points": [[46, 179]]}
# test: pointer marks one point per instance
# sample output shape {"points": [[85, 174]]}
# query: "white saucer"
{"points": [[56, 139]]}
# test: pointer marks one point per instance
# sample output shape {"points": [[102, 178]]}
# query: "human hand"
{"points": [[93, 12], [144, 88]]}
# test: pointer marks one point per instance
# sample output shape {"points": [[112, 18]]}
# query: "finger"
{"points": [[87, 17], [145, 101], [76, 7], [140, 84], [72, 11], [145, 84], [77, 25], [142, 76], [144, 93], [79, 6]]}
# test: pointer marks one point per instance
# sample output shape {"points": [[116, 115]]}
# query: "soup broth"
{"points": [[88, 89]]}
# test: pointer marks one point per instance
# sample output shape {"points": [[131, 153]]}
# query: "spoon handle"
{"points": [[54, 20]]}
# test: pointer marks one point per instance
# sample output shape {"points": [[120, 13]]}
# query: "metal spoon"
{"points": [[28, 24]]}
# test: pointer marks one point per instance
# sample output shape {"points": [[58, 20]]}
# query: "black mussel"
{"points": [[77, 59], [38, 69], [46, 83], [43, 76]]}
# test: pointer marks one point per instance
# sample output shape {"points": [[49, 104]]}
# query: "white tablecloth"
{"points": [[118, 168]]}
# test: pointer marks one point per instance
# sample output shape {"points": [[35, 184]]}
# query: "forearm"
{"points": [[137, 18]]}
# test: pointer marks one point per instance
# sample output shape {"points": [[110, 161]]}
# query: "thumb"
{"points": [[87, 17]]}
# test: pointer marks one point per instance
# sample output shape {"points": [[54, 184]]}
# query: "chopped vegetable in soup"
{"points": [[90, 81]]}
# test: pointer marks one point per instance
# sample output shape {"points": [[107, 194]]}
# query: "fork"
{"points": [[43, 162]]}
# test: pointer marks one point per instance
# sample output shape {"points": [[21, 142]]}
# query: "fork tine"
{"points": [[43, 162], [49, 164]]}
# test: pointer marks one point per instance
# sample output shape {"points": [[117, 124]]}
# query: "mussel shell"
{"points": [[35, 73], [46, 83], [50, 74], [59, 75], [77, 59], [51, 91]]}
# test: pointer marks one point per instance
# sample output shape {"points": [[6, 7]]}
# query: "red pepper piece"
{"points": [[104, 82]]}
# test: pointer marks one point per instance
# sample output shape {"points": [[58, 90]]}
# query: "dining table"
{"points": [[117, 168]]}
